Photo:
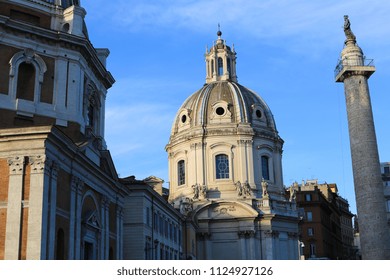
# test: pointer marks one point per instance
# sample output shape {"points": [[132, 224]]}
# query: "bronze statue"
{"points": [[347, 29]]}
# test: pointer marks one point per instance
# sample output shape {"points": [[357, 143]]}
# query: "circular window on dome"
{"points": [[220, 111], [183, 118], [258, 113]]}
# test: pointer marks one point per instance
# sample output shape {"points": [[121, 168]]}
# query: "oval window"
{"points": [[258, 114], [183, 118], [220, 111]]}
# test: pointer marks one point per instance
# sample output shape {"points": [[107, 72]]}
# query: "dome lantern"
{"points": [[220, 61]]}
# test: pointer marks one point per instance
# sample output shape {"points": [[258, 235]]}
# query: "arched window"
{"points": [[181, 173], [228, 65], [222, 166], [265, 167], [60, 250], [220, 66], [212, 67], [26, 81], [26, 75]]}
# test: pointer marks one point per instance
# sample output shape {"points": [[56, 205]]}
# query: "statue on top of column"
{"points": [[347, 29]]}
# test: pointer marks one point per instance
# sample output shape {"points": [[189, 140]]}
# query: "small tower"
{"points": [[354, 70], [220, 62]]}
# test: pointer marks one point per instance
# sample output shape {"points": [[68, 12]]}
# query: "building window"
{"points": [[26, 82], [228, 65], [148, 216], [181, 173], [155, 221], [161, 228], [310, 231], [148, 248], [386, 169], [166, 228], [265, 167], [60, 250], [309, 216], [312, 250], [26, 74], [220, 67], [222, 166], [308, 197], [388, 205]]}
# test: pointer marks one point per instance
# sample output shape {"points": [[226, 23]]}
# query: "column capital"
{"points": [[54, 169], [203, 235], [119, 211], [105, 202], [39, 163], [77, 184], [16, 165], [246, 233], [292, 235], [271, 233]]}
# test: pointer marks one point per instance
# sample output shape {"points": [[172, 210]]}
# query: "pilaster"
{"points": [[38, 207], [14, 207], [72, 217], [53, 210], [119, 227]]}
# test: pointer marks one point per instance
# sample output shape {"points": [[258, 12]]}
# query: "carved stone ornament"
{"points": [[271, 233], [246, 233], [38, 163], [16, 165], [186, 206], [199, 191]]}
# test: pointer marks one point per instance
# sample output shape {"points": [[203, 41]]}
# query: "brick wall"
{"points": [[4, 179]]}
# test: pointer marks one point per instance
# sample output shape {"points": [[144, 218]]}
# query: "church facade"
{"points": [[225, 169]]}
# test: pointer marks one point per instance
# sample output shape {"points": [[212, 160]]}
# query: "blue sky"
{"points": [[286, 52]]}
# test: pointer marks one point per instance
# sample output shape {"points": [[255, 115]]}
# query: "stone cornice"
{"points": [[64, 40]]}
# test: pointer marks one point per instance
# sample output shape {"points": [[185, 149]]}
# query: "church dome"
{"points": [[224, 135], [224, 102]]}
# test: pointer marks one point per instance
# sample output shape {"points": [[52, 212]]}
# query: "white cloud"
{"points": [[262, 18]]}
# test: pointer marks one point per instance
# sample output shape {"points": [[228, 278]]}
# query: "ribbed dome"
{"points": [[224, 102]]}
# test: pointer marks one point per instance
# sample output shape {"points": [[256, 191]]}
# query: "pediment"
{"points": [[225, 210], [93, 220]]}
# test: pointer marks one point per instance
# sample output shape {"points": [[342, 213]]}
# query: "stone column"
{"points": [[38, 213], [105, 224], [53, 210], [268, 243], [354, 71], [293, 245], [77, 213], [72, 217], [241, 236], [14, 208], [251, 236], [119, 221]]}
